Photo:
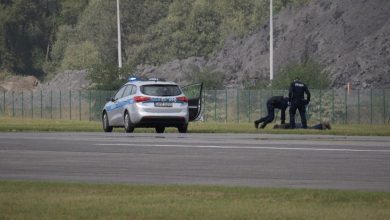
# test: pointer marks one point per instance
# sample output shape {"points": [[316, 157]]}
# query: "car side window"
{"points": [[134, 90], [119, 94], [128, 90]]}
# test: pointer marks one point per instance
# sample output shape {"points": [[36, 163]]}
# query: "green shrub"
{"points": [[107, 76], [310, 73], [80, 56], [209, 76]]}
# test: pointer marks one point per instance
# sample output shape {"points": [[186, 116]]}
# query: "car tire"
{"points": [[106, 124], [129, 126], [160, 129], [183, 128]]}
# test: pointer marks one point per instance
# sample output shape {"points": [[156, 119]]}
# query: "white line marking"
{"points": [[235, 147]]}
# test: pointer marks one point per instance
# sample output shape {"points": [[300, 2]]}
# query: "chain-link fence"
{"points": [[337, 106], [72, 105]]}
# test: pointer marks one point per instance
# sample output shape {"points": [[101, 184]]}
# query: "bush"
{"points": [[107, 76], [310, 73], [80, 56], [211, 78]]}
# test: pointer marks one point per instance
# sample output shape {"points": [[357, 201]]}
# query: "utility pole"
{"points": [[119, 35], [271, 43]]}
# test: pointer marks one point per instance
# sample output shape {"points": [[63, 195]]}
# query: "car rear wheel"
{"points": [[183, 128], [160, 129], [129, 126], [106, 124]]}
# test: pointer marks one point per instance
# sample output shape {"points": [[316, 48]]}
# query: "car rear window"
{"points": [[161, 90]]}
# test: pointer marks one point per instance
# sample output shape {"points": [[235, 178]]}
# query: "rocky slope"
{"points": [[351, 38]]}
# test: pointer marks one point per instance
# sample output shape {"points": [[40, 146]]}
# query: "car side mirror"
{"points": [[110, 99]]}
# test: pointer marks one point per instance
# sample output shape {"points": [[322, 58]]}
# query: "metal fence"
{"points": [[337, 106]]}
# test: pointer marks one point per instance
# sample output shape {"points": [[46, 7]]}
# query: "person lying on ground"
{"points": [[320, 126]]}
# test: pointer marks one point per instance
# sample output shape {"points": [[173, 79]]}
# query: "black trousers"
{"points": [[302, 112], [270, 116]]}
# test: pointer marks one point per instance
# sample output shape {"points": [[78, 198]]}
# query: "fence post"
{"points": [[3, 102], [89, 104], [13, 104], [60, 105], [238, 106], [321, 105], [226, 106], [204, 106], [215, 105], [384, 106], [346, 107], [358, 106], [371, 107], [249, 106], [32, 104], [22, 105], [70, 104], [260, 103], [51, 104], [332, 105], [41, 105], [80, 104]]}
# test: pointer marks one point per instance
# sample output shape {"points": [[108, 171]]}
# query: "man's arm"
{"points": [[307, 94], [290, 92]]}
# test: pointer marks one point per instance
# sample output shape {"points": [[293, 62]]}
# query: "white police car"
{"points": [[152, 103]]}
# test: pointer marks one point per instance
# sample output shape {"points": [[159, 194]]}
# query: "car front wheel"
{"points": [[106, 124]]}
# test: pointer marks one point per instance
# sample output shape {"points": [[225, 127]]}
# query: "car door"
{"points": [[123, 102], [115, 114], [194, 93]]}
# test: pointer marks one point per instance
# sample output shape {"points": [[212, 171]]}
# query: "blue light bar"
{"points": [[132, 79]]}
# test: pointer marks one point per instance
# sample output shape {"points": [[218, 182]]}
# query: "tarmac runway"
{"points": [[258, 160]]}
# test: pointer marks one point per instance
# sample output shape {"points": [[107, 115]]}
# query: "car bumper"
{"points": [[145, 115]]}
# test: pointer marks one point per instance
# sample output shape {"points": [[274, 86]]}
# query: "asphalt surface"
{"points": [[260, 160]]}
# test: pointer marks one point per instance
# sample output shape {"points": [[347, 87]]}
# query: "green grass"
{"points": [[44, 200], [18, 124]]}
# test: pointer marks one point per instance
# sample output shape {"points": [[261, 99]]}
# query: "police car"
{"points": [[152, 103]]}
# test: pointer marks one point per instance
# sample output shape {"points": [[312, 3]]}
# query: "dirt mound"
{"points": [[67, 80], [351, 38], [19, 83]]}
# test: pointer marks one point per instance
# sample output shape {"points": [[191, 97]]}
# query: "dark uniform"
{"points": [[320, 126], [296, 95], [278, 102]]}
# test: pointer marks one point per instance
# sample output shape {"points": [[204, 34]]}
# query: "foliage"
{"points": [[41, 36], [309, 72], [209, 76], [80, 56], [107, 76]]}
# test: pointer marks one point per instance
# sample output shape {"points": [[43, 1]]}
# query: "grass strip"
{"points": [[47, 200], [43, 125]]}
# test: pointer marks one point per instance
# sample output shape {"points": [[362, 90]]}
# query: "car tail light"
{"points": [[141, 98], [182, 99]]}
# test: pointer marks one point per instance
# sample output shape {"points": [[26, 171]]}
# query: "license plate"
{"points": [[163, 104]]}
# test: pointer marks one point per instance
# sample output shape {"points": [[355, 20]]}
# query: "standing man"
{"points": [[278, 102], [296, 95]]}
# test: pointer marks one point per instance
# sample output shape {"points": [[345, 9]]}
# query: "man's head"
{"points": [[296, 79]]}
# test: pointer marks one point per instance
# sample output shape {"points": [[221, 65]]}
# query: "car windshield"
{"points": [[161, 90]]}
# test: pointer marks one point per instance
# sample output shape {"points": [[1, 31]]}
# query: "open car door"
{"points": [[194, 93]]}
